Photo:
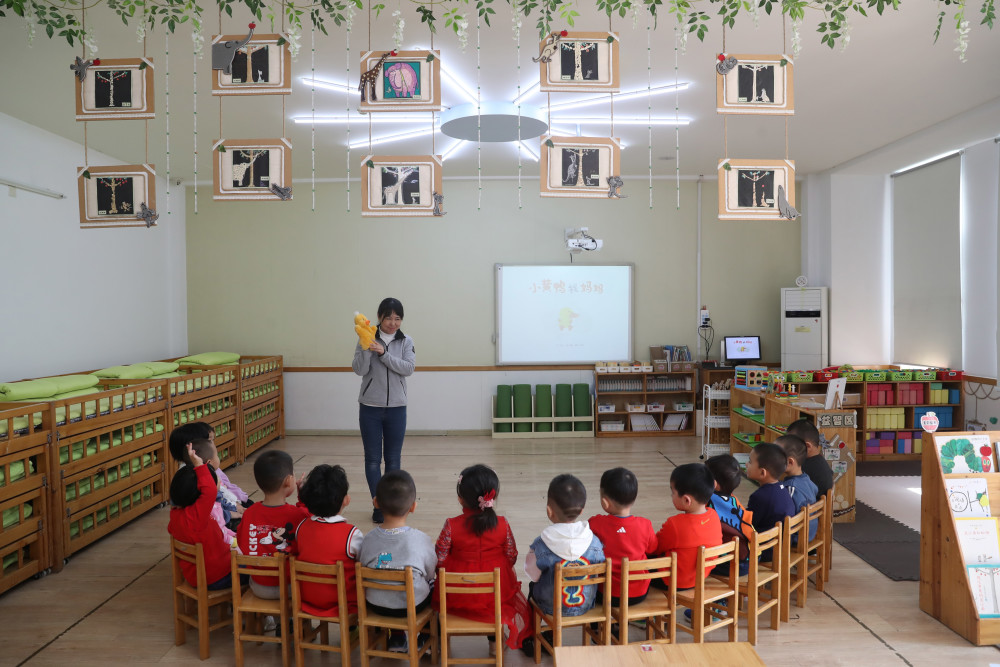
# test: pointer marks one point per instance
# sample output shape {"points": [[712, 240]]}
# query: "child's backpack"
{"points": [[736, 521]]}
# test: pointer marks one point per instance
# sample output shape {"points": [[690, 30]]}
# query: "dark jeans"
{"points": [[227, 582], [399, 613], [382, 431]]}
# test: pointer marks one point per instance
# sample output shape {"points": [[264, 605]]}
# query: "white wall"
{"points": [[79, 299]]}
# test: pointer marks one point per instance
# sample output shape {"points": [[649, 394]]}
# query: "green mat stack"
{"points": [[581, 406], [522, 407], [564, 406], [543, 407], [503, 407]]}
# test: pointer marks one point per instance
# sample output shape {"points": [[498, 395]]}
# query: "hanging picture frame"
{"points": [[113, 196], [263, 66], [401, 186], [758, 85], [579, 166], [251, 169], [748, 189], [579, 62], [406, 81], [117, 89]]}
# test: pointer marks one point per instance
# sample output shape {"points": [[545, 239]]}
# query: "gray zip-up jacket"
{"points": [[383, 383]]}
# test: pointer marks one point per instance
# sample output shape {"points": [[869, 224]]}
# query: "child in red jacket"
{"points": [[192, 493]]}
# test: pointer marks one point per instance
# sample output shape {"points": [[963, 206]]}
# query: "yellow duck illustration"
{"points": [[365, 330]]}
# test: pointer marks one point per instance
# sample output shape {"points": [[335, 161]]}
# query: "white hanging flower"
{"points": [[962, 40], [294, 37], [755, 13], [90, 43], [516, 24], [397, 34], [845, 31], [635, 16], [198, 40], [29, 25], [349, 16], [140, 31], [463, 33], [796, 37], [681, 39]]}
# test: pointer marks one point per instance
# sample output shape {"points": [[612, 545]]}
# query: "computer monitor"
{"points": [[740, 349]]}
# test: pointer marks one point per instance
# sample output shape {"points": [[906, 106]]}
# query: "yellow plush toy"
{"points": [[365, 329]]}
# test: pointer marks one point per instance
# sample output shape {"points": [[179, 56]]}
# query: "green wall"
{"points": [[278, 278]]}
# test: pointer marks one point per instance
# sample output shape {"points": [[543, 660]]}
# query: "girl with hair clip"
{"points": [[478, 540]]}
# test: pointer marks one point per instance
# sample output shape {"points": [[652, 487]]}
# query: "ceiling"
{"points": [[890, 82]]}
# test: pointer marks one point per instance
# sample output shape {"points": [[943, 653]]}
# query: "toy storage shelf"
{"points": [[716, 420], [664, 389], [742, 427], [534, 421], [945, 591]]}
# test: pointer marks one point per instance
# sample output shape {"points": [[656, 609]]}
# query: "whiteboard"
{"points": [[563, 314]]}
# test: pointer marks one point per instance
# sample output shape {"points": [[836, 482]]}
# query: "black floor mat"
{"points": [[888, 469], [887, 545]]}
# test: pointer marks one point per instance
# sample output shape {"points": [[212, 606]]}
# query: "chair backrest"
{"points": [[792, 526], [194, 554], [572, 576], [645, 570], [315, 573], [398, 581], [817, 512], [769, 540], [467, 583], [259, 566], [715, 556]]}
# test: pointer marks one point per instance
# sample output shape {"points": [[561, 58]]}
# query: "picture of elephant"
{"points": [[402, 80]]}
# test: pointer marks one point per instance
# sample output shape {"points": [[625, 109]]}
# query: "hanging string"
{"points": [[83, 56], [783, 34], [677, 125], [517, 36], [312, 104], [166, 103], [347, 109], [723, 37], [282, 116], [144, 57], [194, 111], [649, 107], [220, 117], [786, 137], [433, 121], [479, 118]]}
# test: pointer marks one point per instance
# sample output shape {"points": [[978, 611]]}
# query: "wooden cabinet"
{"points": [[642, 404]]}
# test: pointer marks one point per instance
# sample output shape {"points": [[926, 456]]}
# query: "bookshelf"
{"points": [[657, 398], [945, 591]]}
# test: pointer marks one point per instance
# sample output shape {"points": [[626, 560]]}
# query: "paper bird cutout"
{"points": [[284, 194], [80, 67], [146, 214]]}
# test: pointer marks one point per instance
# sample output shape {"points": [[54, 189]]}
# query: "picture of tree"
{"points": [[251, 64], [755, 189], [400, 185], [114, 195], [754, 83], [581, 167], [580, 58], [249, 171], [113, 88]]}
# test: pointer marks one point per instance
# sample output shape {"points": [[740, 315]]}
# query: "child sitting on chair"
{"points": [[736, 520], [233, 495], [567, 541], [623, 534], [206, 452], [771, 503], [393, 546], [815, 465], [691, 487], [268, 526], [800, 487], [192, 493], [478, 541], [326, 538]]}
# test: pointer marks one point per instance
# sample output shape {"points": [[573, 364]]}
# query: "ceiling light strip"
{"points": [[601, 99], [454, 148], [528, 150], [629, 120], [530, 89], [389, 138]]}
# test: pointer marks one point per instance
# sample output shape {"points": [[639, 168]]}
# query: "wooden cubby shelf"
{"points": [[655, 398]]}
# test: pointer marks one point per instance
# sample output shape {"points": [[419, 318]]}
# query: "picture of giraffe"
{"points": [[401, 80], [400, 185]]}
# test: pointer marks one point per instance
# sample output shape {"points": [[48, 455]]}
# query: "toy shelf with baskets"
{"points": [[658, 403]]}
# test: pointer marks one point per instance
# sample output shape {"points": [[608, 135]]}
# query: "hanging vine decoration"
{"points": [[58, 19]]}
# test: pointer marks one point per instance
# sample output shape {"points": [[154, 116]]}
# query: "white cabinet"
{"points": [[805, 327]]}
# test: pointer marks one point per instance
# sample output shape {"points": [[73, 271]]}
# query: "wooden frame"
{"points": [[247, 152], [598, 574], [744, 91], [135, 184], [413, 623], [250, 610], [375, 195], [184, 594], [740, 198], [97, 97], [329, 575], [557, 166], [469, 583], [602, 75], [397, 73], [276, 69], [794, 558], [658, 610], [704, 599], [762, 577]]}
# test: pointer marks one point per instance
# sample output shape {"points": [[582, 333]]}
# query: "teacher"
{"points": [[384, 367]]}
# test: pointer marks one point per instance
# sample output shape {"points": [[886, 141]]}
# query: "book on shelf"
{"points": [[985, 583], [979, 540], [965, 453], [968, 497], [675, 422]]}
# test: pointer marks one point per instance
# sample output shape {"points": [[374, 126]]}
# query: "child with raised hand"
{"points": [[800, 487], [478, 540], [326, 538], [232, 493], [206, 452], [623, 534], [268, 526], [192, 493]]}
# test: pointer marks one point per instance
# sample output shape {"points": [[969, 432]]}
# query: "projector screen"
{"points": [[563, 314]]}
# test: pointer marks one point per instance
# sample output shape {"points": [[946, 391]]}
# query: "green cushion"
{"points": [[11, 517], [210, 358], [28, 389], [136, 372], [158, 367], [66, 383]]}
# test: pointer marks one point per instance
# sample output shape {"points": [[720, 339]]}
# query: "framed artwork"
{"points": [[748, 189], [585, 62], [406, 81], [579, 166], [757, 85], [114, 196], [401, 186], [117, 89], [262, 67], [252, 169]]}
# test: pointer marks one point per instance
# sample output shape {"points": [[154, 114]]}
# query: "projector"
{"points": [[578, 240]]}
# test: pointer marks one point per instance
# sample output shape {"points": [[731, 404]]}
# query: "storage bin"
{"points": [[924, 375], [949, 375], [876, 376], [853, 376], [900, 376], [800, 376]]}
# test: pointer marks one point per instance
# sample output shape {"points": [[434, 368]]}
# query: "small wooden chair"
{"points": [[399, 581], [464, 583], [574, 576], [707, 612], [249, 610], [793, 562], [203, 600], [659, 609], [829, 543], [762, 578], [305, 633], [817, 551]]}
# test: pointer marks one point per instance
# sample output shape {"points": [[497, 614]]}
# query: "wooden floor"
{"points": [[111, 604]]}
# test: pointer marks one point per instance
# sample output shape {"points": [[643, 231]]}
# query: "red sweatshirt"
{"points": [[194, 524]]}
